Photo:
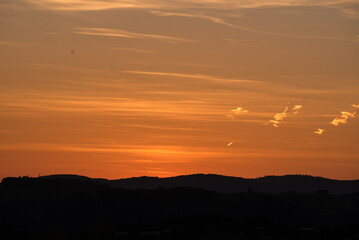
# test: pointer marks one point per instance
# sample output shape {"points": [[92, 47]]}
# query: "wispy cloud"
{"points": [[252, 30], [38, 103], [126, 34], [231, 40], [65, 67], [347, 11], [143, 153], [343, 118], [167, 8], [191, 15], [138, 50], [319, 131], [82, 5], [14, 44], [197, 76], [355, 105], [85, 5]]}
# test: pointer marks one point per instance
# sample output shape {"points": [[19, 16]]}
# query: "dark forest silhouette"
{"points": [[77, 207]]}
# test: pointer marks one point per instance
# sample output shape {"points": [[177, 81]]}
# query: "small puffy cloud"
{"points": [[279, 117], [296, 108], [319, 131], [338, 121], [274, 123], [343, 118], [239, 110], [349, 114]]}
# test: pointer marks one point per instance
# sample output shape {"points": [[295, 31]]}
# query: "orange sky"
{"points": [[119, 88]]}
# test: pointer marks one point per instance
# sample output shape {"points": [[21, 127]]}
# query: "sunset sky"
{"points": [[122, 88]]}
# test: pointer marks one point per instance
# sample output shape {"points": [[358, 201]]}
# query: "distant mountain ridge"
{"points": [[227, 184]]}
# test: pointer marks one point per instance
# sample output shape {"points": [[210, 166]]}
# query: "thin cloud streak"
{"points": [[84, 5], [15, 44], [138, 50], [40, 103], [164, 128], [126, 34], [197, 76], [252, 30], [64, 67], [151, 153], [159, 7], [190, 15], [347, 12]]}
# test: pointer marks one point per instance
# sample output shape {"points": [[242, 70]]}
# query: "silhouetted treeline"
{"points": [[226, 184], [79, 208]]}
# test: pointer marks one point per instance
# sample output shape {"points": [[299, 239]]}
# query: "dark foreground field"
{"points": [[80, 208]]}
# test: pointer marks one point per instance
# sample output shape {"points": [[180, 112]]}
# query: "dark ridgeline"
{"points": [[225, 184], [185, 207]]}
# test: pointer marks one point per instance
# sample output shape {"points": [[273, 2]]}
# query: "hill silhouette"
{"points": [[226, 184], [77, 207]]}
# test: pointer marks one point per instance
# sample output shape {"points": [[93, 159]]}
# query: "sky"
{"points": [[123, 88]]}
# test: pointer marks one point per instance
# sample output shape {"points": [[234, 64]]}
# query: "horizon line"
{"points": [[182, 175]]}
